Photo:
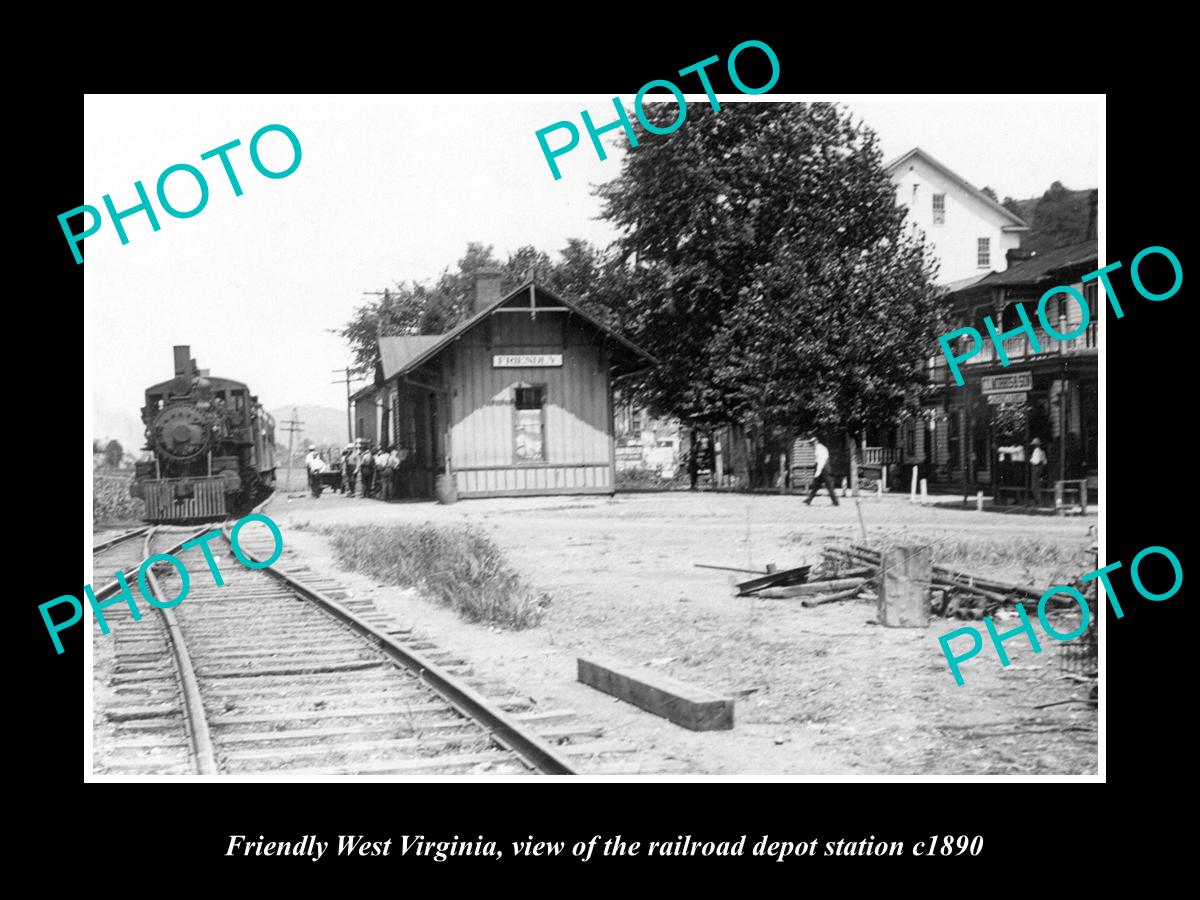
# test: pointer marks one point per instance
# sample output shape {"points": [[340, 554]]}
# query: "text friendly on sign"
{"points": [[527, 361]]}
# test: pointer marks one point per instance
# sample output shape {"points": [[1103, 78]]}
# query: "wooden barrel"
{"points": [[445, 489]]}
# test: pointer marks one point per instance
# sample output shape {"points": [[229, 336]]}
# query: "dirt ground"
{"points": [[819, 692]]}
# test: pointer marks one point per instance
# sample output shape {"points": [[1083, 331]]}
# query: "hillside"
{"points": [[322, 425], [1059, 217]]}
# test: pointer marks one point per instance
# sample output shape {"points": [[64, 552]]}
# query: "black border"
{"points": [[1148, 478]]}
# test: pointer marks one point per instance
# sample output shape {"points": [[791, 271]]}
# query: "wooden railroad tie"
{"points": [[696, 708]]}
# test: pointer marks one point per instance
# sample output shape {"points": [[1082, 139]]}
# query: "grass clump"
{"points": [[458, 566]]}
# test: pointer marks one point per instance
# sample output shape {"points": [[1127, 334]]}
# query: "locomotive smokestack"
{"points": [[183, 354]]}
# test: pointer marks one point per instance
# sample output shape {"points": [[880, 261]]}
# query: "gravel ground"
{"points": [[820, 692]]}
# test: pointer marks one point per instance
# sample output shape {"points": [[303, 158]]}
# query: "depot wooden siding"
{"points": [[577, 435]]}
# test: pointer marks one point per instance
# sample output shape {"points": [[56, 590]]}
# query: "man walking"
{"points": [[822, 475]]}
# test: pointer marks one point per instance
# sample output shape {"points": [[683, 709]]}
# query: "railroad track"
{"points": [[115, 552], [280, 672]]}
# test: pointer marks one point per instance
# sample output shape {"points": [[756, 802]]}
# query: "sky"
{"points": [[388, 189]]}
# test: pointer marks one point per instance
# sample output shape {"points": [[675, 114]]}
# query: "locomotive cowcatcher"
{"points": [[213, 446]]}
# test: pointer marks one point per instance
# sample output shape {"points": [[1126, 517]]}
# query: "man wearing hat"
{"points": [[349, 468], [821, 475], [1037, 463]]}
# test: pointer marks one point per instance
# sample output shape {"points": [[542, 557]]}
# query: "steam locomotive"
{"points": [[213, 446]]}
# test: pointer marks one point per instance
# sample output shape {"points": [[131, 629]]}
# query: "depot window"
{"points": [[939, 209], [984, 253], [529, 422]]}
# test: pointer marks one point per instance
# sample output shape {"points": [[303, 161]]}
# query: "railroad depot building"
{"points": [[980, 434], [515, 401]]}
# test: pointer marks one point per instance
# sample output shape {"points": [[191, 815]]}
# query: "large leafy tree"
{"points": [[417, 308], [768, 267]]}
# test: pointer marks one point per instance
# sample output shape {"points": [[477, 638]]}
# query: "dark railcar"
{"points": [[213, 446]]}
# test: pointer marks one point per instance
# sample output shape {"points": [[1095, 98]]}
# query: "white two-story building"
{"points": [[970, 232]]}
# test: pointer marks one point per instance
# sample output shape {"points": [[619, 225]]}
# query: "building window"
{"points": [[529, 403], [939, 209], [984, 253]]}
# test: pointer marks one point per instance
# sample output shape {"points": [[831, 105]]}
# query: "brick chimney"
{"points": [[487, 288]]}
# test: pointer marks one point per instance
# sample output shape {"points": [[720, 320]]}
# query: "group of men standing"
{"points": [[367, 471]]}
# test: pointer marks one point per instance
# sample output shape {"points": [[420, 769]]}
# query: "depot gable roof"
{"points": [[403, 355], [397, 351]]}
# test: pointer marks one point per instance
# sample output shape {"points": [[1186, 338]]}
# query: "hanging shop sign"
{"points": [[1017, 381], [1015, 398]]}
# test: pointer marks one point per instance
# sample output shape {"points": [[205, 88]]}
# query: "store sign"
{"points": [[1018, 381], [1014, 397], [528, 361]]}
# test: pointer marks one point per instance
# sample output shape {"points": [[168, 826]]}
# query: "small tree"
{"points": [[113, 454]]}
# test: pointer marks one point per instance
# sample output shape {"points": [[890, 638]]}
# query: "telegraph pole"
{"points": [[347, 372], [292, 428]]}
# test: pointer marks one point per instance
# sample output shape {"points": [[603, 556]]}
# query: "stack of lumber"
{"points": [[815, 591], [953, 594]]}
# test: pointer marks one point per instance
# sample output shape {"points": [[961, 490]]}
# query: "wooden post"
{"points": [[1083, 497], [879, 489], [852, 445], [843, 487], [912, 496], [924, 490], [783, 473], [968, 446], [883, 478], [979, 501], [906, 577]]}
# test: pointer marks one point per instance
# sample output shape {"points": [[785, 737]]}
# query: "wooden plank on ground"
{"points": [[684, 704], [775, 579]]}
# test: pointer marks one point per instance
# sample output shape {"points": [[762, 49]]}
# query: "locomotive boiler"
{"points": [[213, 447]]}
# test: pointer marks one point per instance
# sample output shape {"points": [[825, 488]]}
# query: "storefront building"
{"points": [[982, 435]]}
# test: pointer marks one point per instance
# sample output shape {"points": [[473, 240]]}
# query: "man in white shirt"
{"points": [[315, 466], [384, 471], [822, 475], [1037, 462]]}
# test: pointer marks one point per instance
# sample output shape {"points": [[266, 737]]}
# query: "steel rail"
{"points": [[505, 731], [119, 539], [199, 738], [111, 588]]}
